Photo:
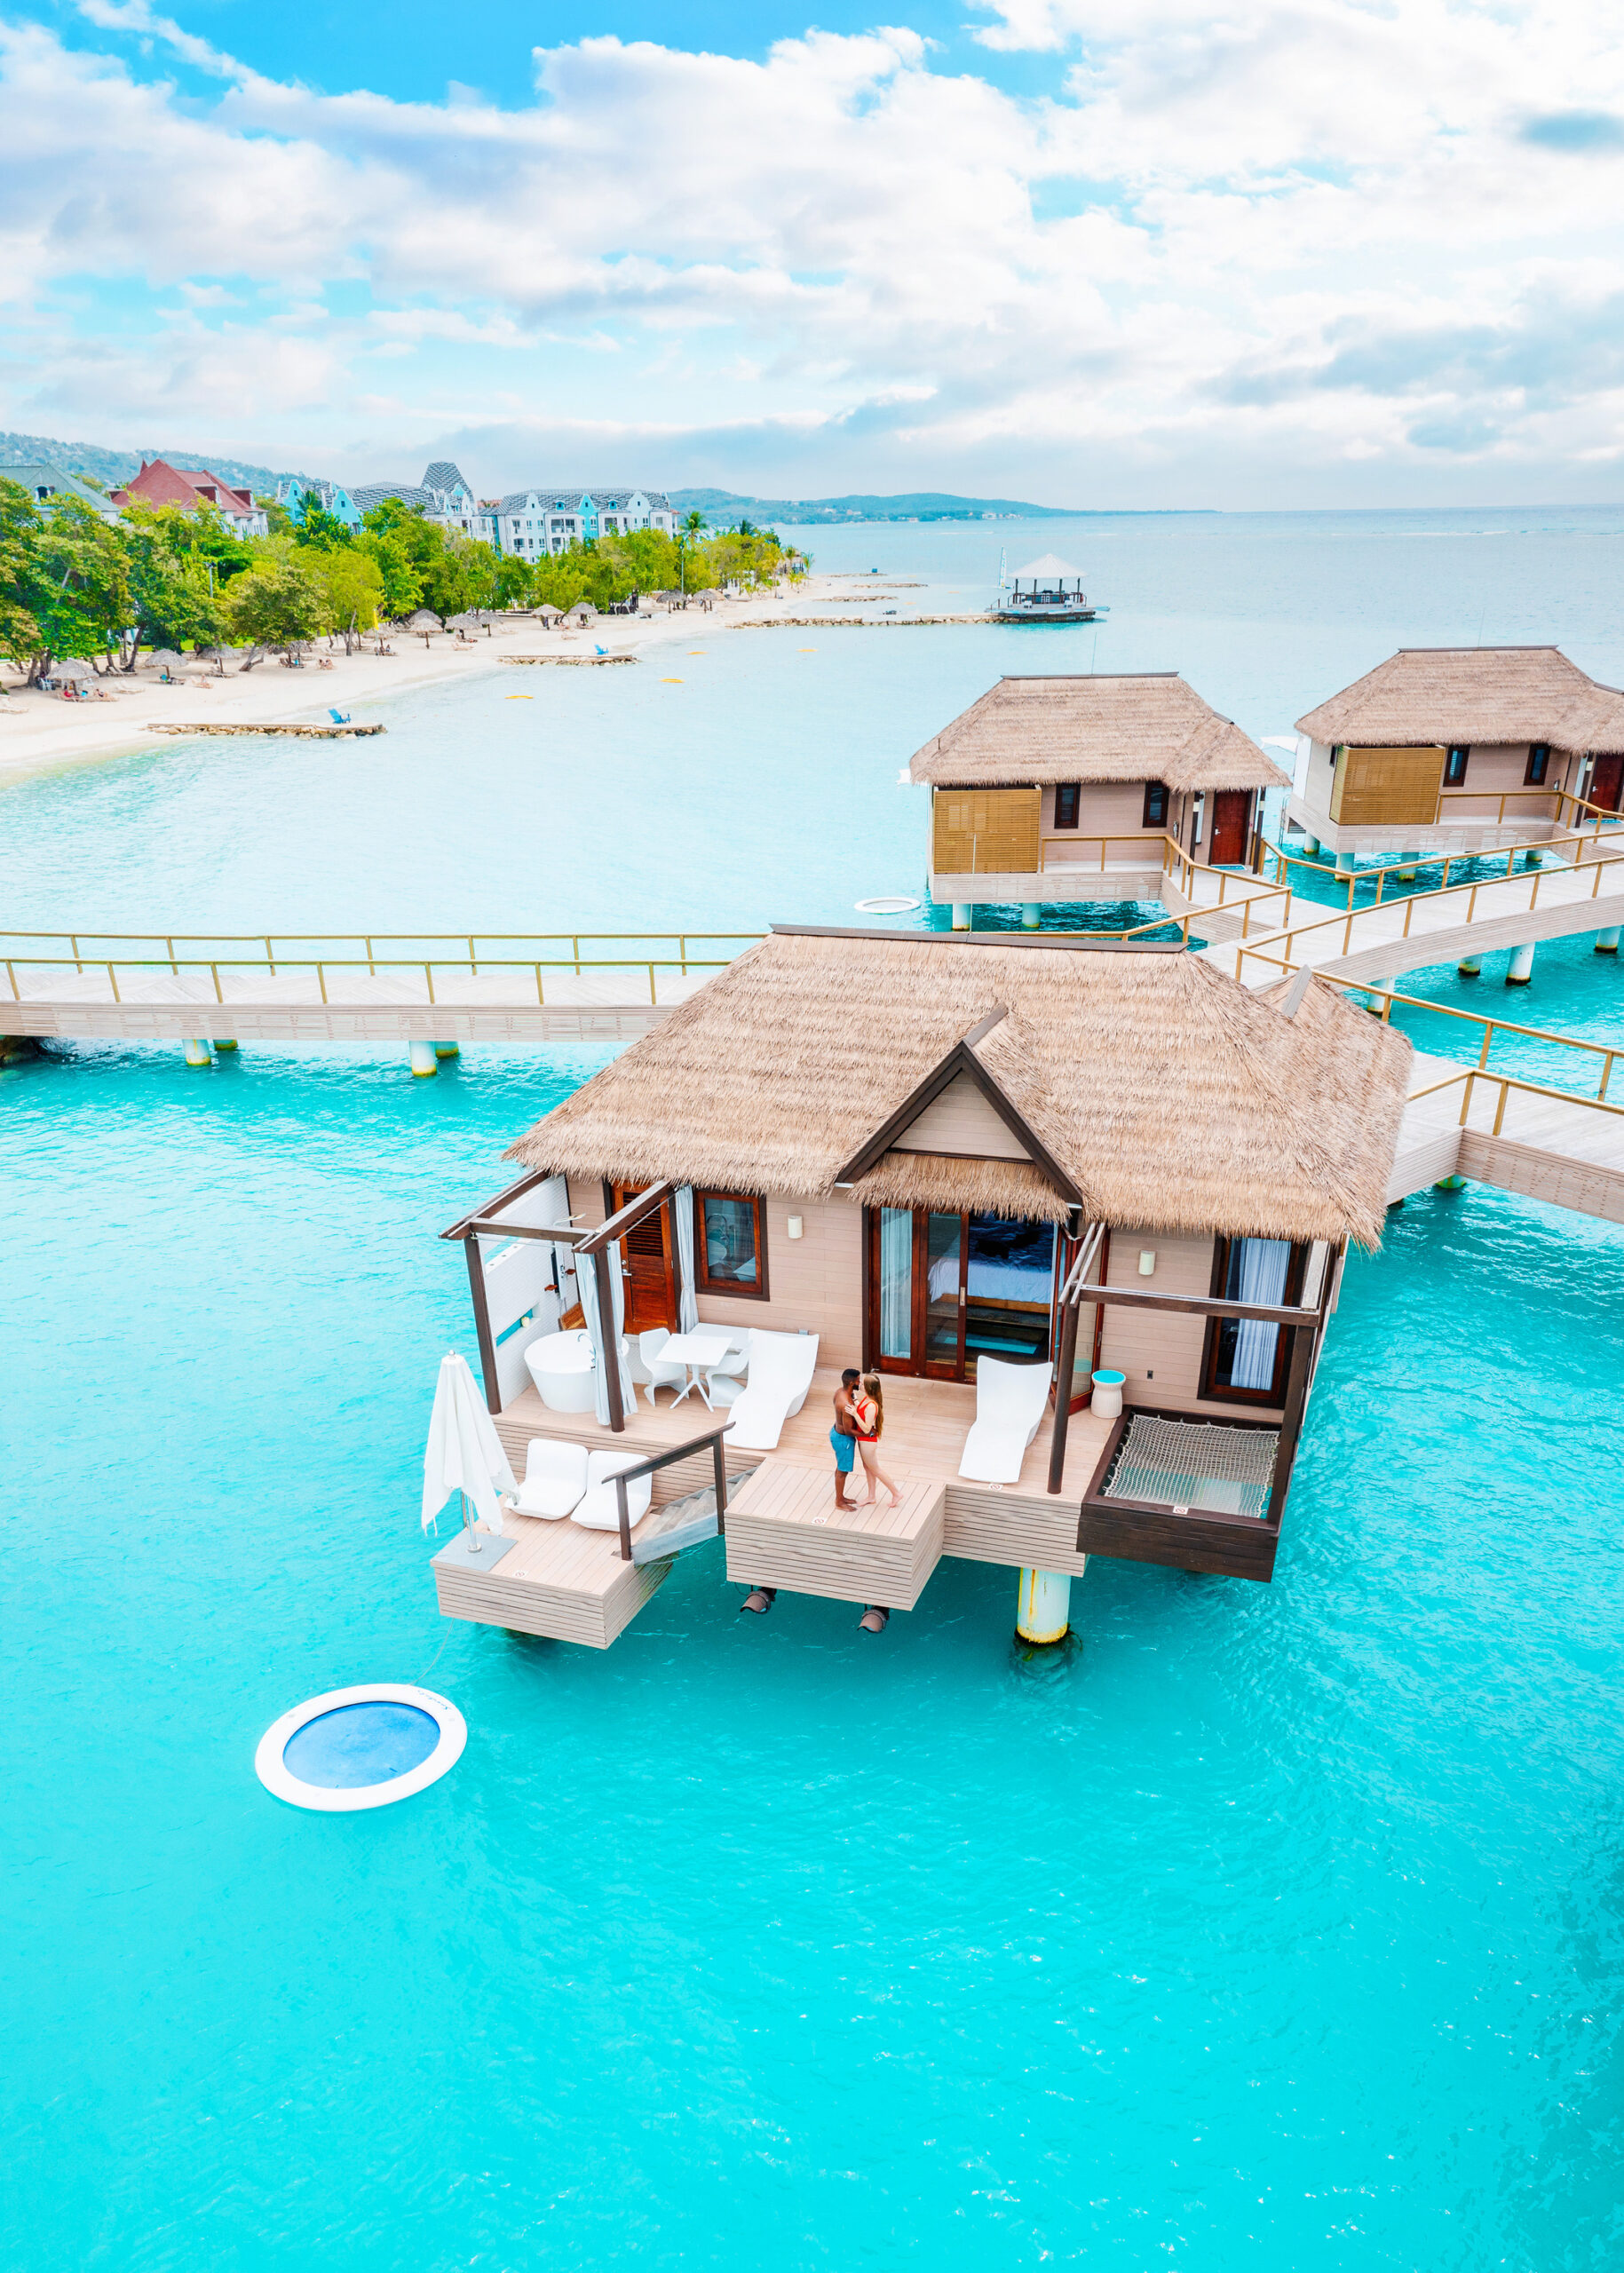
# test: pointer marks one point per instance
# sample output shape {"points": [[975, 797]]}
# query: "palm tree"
{"points": [[693, 529]]}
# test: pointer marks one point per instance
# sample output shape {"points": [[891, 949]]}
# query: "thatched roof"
{"points": [[1141, 726], [1423, 695], [1167, 1096]]}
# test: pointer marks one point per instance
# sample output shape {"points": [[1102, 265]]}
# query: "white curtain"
{"points": [[1263, 1280], [682, 1216], [586, 1281], [896, 1282]]}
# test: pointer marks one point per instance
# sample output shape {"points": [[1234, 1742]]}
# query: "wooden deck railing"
{"points": [[277, 954], [625, 1476], [1289, 934], [1506, 1083]]}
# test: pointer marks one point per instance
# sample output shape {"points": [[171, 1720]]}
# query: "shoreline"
{"points": [[40, 732]]}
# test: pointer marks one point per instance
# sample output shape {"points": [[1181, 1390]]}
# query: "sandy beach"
{"points": [[39, 731]]}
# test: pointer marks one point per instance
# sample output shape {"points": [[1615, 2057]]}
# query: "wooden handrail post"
{"points": [[113, 980], [625, 1514], [1065, 1365], [1499, 1113], [428, 972], [269, 958], [322, 981], [610, 1339], [219, 994], [721, 1468]]}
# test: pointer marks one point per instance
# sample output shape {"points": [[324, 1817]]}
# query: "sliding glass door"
{"points": [[947, 1289]]}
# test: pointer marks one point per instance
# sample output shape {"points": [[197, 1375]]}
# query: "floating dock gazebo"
{"points": [[1105, 1190], [1048, 590]]}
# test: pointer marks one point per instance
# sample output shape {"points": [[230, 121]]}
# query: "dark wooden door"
{"points": [[647, 1251], [1230, 811], [1606, 781]]}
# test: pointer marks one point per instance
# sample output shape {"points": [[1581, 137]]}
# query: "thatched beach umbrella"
{"points": [[72, 667], [424, 620], [165, 658]]}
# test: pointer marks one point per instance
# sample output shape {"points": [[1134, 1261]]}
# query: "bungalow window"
{"points": [[1155, 805], [1455, 767], [1538, 763], [1198, 813], [1067, 794], [1245, 1359], [732, 1244]]}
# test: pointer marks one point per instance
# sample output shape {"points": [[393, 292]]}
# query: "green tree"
{"points": [[178, 566], [352, 589], [78, 584], [19, 633], [321, 528], [277, 603]]}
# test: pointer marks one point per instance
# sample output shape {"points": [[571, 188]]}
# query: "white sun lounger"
{"points": [[601, 1510], [1010, 1402], [781, 1367], [555, 1478]]}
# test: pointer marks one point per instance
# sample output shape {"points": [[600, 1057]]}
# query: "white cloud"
{"points": [[1310, 233]]}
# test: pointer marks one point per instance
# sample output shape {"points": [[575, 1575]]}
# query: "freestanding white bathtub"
{"points": [[562, 1367]]}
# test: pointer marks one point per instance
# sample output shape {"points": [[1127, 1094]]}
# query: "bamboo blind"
{"points": [[1395, 786], [977, 830]]}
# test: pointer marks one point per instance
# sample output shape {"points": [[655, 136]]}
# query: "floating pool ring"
{"points": [[363, 1748]]}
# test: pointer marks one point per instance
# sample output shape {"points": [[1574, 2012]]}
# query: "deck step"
{"points": [[783, 1530], [681, 1524]]}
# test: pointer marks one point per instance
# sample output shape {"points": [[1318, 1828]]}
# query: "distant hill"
{"points": [[111, 467], [911, 505]]}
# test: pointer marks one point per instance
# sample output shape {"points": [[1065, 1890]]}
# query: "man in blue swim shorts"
{"points": [[842, 1437]]}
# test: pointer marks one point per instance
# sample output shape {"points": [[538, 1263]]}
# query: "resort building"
{"points": [[46, 485], [1454, 749], [159, 483], [1054, 788], [442, 496], [1080, 1206], [295, 494], [532, 522]]}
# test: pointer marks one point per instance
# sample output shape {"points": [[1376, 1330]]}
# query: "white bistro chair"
{"points": [[657, 1375]]}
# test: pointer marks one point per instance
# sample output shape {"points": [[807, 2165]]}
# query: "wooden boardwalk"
{"points": [[1383, 942], [1496, 1129]]}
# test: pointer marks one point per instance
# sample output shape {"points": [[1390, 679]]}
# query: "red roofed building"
{"points": [[159, 483]]}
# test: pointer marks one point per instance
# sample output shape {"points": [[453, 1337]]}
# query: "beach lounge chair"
{"points": [[781, 1367], [601, 1510], [554, 1479], [1010, 1402], [339, 717]]}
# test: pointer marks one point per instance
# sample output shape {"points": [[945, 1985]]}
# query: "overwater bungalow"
{"points": [[1080, 1208], [1456, 748], [1062, 790]]}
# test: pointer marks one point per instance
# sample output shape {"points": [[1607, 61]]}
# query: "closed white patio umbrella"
{"points": [[465, 1453]]}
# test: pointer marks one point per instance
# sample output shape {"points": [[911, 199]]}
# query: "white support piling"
{"points": [[198, 1053], [424, 1060], [220, 1043], [1029, 915], [1310, 848], [1043, 1607], [1469, 966], [1607, 942], [446, 1049], [1520, 969], [962, 915], [1344, 864], [1450, 1183], [1375, 1002]]}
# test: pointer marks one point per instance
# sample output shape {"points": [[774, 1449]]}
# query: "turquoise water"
{"points": [[1255, 1927], [1258, 1926]]}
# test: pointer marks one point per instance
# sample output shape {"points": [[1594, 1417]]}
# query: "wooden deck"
{"points": [[785, 1529], [560, 1581], [1561, 1149], [556, 1580]]}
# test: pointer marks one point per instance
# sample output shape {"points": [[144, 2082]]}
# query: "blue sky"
{"points": [[1097, 252]]}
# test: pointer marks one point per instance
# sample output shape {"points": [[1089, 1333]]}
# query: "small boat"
{"points": [[1045, 591]]}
